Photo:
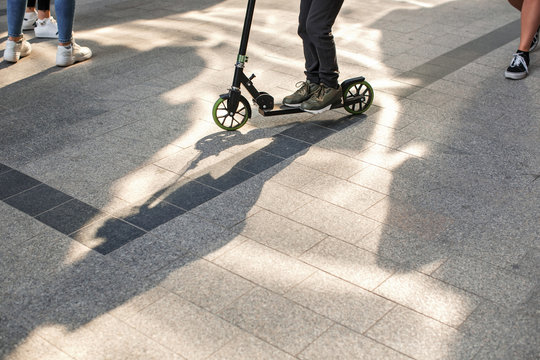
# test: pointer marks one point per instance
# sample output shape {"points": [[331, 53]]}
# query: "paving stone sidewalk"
{"points": [[132, 227]]}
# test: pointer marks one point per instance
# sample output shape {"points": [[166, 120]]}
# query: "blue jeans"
{"points": [[65, 12]]}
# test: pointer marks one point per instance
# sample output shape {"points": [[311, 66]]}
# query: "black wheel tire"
{"points": [[361, 90], [227, 121]]}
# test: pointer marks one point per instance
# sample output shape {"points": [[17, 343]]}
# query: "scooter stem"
{"points": [[244, 43], [247, 27]]}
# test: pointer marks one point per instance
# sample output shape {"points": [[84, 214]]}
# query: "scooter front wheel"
{"points": [[230, 121], [358, 97]]}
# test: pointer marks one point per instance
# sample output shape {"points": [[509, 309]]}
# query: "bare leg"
{"points": [[43, 14], [530, 20]]}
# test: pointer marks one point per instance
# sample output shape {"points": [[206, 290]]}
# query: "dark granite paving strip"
{"points": [[151, 216], [341, 124], [70, 217], [111, 234], [13, 182], [191, 195], [308, 132], [38, 199], [4, 168]]}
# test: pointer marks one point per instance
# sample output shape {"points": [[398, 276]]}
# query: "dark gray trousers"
{"points": [[315, 28]]}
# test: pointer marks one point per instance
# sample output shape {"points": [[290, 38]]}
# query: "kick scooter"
{"points": [[232, 110]]}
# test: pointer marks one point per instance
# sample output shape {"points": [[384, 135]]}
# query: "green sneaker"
{"points": [[322, 99], [306, 89]]}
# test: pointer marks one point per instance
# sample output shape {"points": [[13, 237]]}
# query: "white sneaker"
{"points": [[16, 50], [69, 55], [46, 28], [29, 21]]}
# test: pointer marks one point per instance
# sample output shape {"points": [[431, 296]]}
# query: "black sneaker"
{"points": [[306, 89], [322, 99], [534, 42], [519, 67]]}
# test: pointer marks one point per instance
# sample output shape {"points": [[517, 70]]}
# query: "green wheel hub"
{"points": [[226, 120], [362, 93]]}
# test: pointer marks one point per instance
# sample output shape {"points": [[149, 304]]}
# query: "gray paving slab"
{"points": [[249, 346], [281, 199], [17, 227], [191, 331], [417, 220], [488, 281], [350, 263], [198, 236], [408, 250], [505, 333], [331, 163], [343, 193], [421, 337], [270, 268], [340, 301], [276, 320], [342, 343], [279, 233], [202, 283], [35, 348], [334, 220], [148, 254], [428, 296], [104, 336]]}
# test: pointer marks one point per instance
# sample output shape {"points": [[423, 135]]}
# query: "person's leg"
{"points": [[15, 13], [530, 26], [30, 16], [516, 3], [308, 87], [65, 12], [310, 52], [16, 46], [68, 51], [321, 18], [530, 21], [31, 6], [44, 9], [46, 26]]}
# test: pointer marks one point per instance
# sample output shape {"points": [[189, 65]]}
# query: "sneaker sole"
{"points": [[11, 59], [515, 76], [45, 36], [75, 60], [318, 111], [293, 105]]}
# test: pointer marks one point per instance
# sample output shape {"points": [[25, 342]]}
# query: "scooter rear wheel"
{"points": [[362, 94], [226, 120]]}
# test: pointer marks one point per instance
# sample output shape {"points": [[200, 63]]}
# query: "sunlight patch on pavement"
{"points": [[424, 3]]}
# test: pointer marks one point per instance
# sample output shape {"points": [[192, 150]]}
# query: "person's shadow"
{"points": [[92, 285], [457, 207]]}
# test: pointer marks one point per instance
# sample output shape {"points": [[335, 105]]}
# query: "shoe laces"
{"points": [[519, 60], [319, 93], [303, 86]]}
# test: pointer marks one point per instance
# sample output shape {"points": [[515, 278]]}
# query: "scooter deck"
{"points": [[280, 109]]}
